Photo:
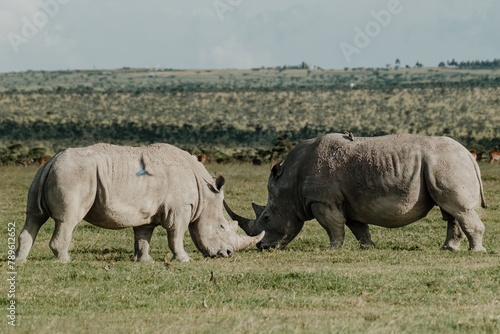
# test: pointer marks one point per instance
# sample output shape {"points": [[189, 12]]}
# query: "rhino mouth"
{"points": [[260, 246], [241, 242], [281, 244], [219, 254]]}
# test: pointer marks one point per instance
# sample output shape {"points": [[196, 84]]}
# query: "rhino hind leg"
{"points": [[362, 233], [28, 235], [142, 236], [454, 234], [464, 224], [61, 239], [333, 221], [473, 228]]}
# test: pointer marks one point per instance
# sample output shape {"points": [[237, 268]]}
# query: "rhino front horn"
{"points": [[249, 226], [246, 241]]}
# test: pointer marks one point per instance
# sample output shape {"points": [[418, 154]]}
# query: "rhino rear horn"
{"points": [[258, 209], [248, 225]]}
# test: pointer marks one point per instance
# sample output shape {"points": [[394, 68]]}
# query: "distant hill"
{"points": [[148, 80]]}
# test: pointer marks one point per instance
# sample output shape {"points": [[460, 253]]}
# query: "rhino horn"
{"points": [[245, 241], [258, 209], [248, 225]]}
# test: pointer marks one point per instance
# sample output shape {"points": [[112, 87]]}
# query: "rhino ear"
{"points": [[219, 181], [277, 169]]}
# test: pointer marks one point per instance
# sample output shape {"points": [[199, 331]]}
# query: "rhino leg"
{"points": [[473, 228], [362, 233], [142, 238], [457, 196], [176, 229], [454, 234], [61, 239], [28, 235], [333, 221]]}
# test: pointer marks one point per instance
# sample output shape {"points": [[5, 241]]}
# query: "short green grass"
{"points": [[406, 285]]}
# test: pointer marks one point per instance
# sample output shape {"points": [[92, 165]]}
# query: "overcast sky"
{"points": [[108, 34]]}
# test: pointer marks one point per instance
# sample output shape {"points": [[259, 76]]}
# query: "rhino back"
{"points": [[104, 179], [383, 180]]}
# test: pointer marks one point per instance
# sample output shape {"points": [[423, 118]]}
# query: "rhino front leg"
{"points": [[454, 234], [142, 238], [333, 221], [362, 233], [176, 229]]}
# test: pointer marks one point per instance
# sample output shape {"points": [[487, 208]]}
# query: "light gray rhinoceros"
{"points": [[388, 181], [141, 187]]}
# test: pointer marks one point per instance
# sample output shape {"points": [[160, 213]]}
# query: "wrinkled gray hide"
{"points": [[388, 181], [116, 187]]}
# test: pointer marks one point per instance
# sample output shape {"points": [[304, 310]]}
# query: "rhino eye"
{"points": [[222, 227]]}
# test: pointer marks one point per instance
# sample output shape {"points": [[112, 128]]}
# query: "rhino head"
{"points": [[278, 218], [211, 233]]}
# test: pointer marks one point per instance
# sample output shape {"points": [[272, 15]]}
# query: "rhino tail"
{"points": [[36, 200], [478, 175]]}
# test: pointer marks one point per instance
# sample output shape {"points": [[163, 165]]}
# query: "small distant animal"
{"points": [[169, 266], [494, 156], [349, 135], [24, 163], [42, 161], [213, 279], [201, 158], [257, 162], [474, 154]]}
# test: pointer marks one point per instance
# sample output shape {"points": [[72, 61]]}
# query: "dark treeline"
{"points": [[381, 83], [473, 64], [188, 137]]}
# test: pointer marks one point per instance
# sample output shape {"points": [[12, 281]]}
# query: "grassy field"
{"points": [[406, 285], [239, 112]]}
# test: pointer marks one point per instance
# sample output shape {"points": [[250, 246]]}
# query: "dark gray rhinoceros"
{"points": [[388, 181], [116, 187]]}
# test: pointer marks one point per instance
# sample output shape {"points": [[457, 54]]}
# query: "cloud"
{"points": [[190, 34], [231, 54]]}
